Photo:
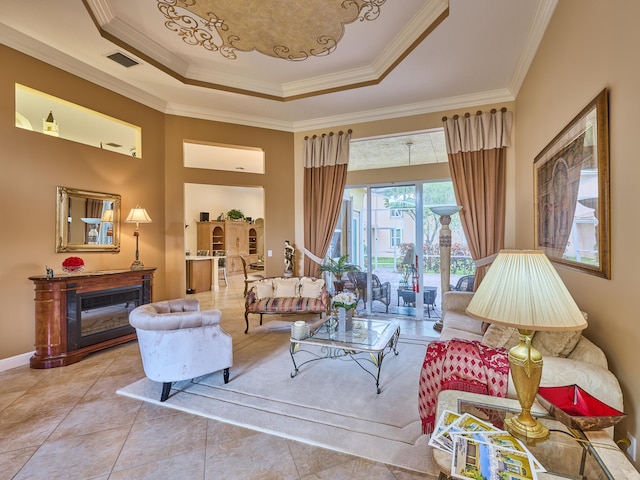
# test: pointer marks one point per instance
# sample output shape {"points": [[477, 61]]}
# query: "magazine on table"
{"points": [[508, 441], [475, 459], [438, 438], [451, 423]]}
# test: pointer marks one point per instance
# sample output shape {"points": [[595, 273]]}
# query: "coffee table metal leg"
{"points": [[293, 348]]}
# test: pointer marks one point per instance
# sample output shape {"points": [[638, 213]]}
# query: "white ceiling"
{"points": [[478, 54]]}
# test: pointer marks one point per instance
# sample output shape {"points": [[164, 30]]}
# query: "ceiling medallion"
{"points": [[287, 29]]}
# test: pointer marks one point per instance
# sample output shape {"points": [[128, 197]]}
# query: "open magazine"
{"points": [[480, 450]]}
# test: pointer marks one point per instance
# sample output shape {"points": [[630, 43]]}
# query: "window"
{"points": [[396, 237], [396, 213]]}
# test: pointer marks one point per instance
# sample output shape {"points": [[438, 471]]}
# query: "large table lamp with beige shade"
{"points": [[523, 290]]}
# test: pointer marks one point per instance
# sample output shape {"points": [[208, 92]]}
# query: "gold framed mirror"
{"points": [[87, 221]]}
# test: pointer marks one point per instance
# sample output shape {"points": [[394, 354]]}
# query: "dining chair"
{"points": [[222, 265], [249, 278]]}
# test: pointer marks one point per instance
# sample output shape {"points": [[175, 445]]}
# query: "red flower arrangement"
{"points": [[72, 264]]}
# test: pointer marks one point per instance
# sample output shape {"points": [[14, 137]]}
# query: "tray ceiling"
{"points": [[344, 61]]}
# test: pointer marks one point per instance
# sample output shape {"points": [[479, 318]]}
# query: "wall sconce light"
{"points": [[138, 215], [50, 126]]}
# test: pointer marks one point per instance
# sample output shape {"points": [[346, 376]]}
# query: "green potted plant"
{"points": [[235, 214], [338, 268]]}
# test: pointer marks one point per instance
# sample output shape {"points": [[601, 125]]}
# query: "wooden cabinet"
{"points": [[199, 272], [237, 235], [211, 236], [236, 238]]}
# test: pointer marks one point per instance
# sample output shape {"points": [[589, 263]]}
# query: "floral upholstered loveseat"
{"points": [[284, 295]]}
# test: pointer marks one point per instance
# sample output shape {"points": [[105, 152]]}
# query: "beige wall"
{"points": [[277, 182], [32, 165], [590, 45]]}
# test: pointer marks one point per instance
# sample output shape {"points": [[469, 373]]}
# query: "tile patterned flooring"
{"points": [[68, 423]]}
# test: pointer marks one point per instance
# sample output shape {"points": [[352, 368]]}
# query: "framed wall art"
{"points": [[571, 185]]}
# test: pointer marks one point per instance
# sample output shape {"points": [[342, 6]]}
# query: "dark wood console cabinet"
{"points": [[82, 313]]}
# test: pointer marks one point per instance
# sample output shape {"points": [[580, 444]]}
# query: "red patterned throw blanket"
{"points": [[456, 364]]}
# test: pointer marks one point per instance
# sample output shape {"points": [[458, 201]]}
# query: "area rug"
{"points": [[331, 403]]}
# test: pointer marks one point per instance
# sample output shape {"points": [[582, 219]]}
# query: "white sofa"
{"points": [[178, 341], [568, 357]]}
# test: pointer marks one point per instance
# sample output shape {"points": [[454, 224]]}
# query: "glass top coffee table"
{"points": [[366, 343], [566, 454]]}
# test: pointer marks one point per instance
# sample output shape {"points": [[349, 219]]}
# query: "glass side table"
{"points": [[567, 453]]}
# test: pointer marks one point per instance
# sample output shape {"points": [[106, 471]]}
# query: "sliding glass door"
{"points": [[379, 229]]}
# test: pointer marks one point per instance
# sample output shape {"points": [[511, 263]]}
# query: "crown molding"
{"points": [[536, 31], [191, 111], [101, 10], [420, 108], [432, 14], [440, 105]]}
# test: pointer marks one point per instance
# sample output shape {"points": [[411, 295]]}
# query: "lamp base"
{"points": [[137, 265], [530, 432], [525, 363]]}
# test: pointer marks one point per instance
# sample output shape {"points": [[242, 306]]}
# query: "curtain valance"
{"points": [[327, 150], [482, 131]]}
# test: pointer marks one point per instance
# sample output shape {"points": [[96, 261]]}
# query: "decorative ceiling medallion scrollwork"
{"points": [[291, 30]]}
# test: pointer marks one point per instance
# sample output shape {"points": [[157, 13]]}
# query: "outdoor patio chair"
{"points": [[379, 291], [465, 284]]}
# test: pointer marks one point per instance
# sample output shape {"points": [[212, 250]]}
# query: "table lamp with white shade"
{"points": [[138, 215], [523, 290]]}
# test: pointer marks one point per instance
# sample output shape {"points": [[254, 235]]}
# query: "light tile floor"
{"points": [[68, 423]]}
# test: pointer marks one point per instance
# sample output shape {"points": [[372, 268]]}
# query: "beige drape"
{"points": [[326, 158], [476, 146]]}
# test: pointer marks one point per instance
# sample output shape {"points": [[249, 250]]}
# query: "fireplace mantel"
{"points": [[58, 308]]}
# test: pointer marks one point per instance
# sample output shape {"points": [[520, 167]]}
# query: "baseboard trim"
{"points": [[15, 361]]}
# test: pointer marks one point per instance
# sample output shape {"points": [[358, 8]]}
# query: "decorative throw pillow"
{"points": [[501, 336], [285, 287], [311, 287], [556, 344], [263, 289]]}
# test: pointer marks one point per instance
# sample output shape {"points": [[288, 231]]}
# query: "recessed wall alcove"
{"points": [[216, 200]]}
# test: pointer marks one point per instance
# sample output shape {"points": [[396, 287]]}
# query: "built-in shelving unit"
{"points": [[236, 238], [253, 241]]}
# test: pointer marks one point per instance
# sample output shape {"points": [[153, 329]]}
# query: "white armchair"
{"points": [[178, 341]]}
